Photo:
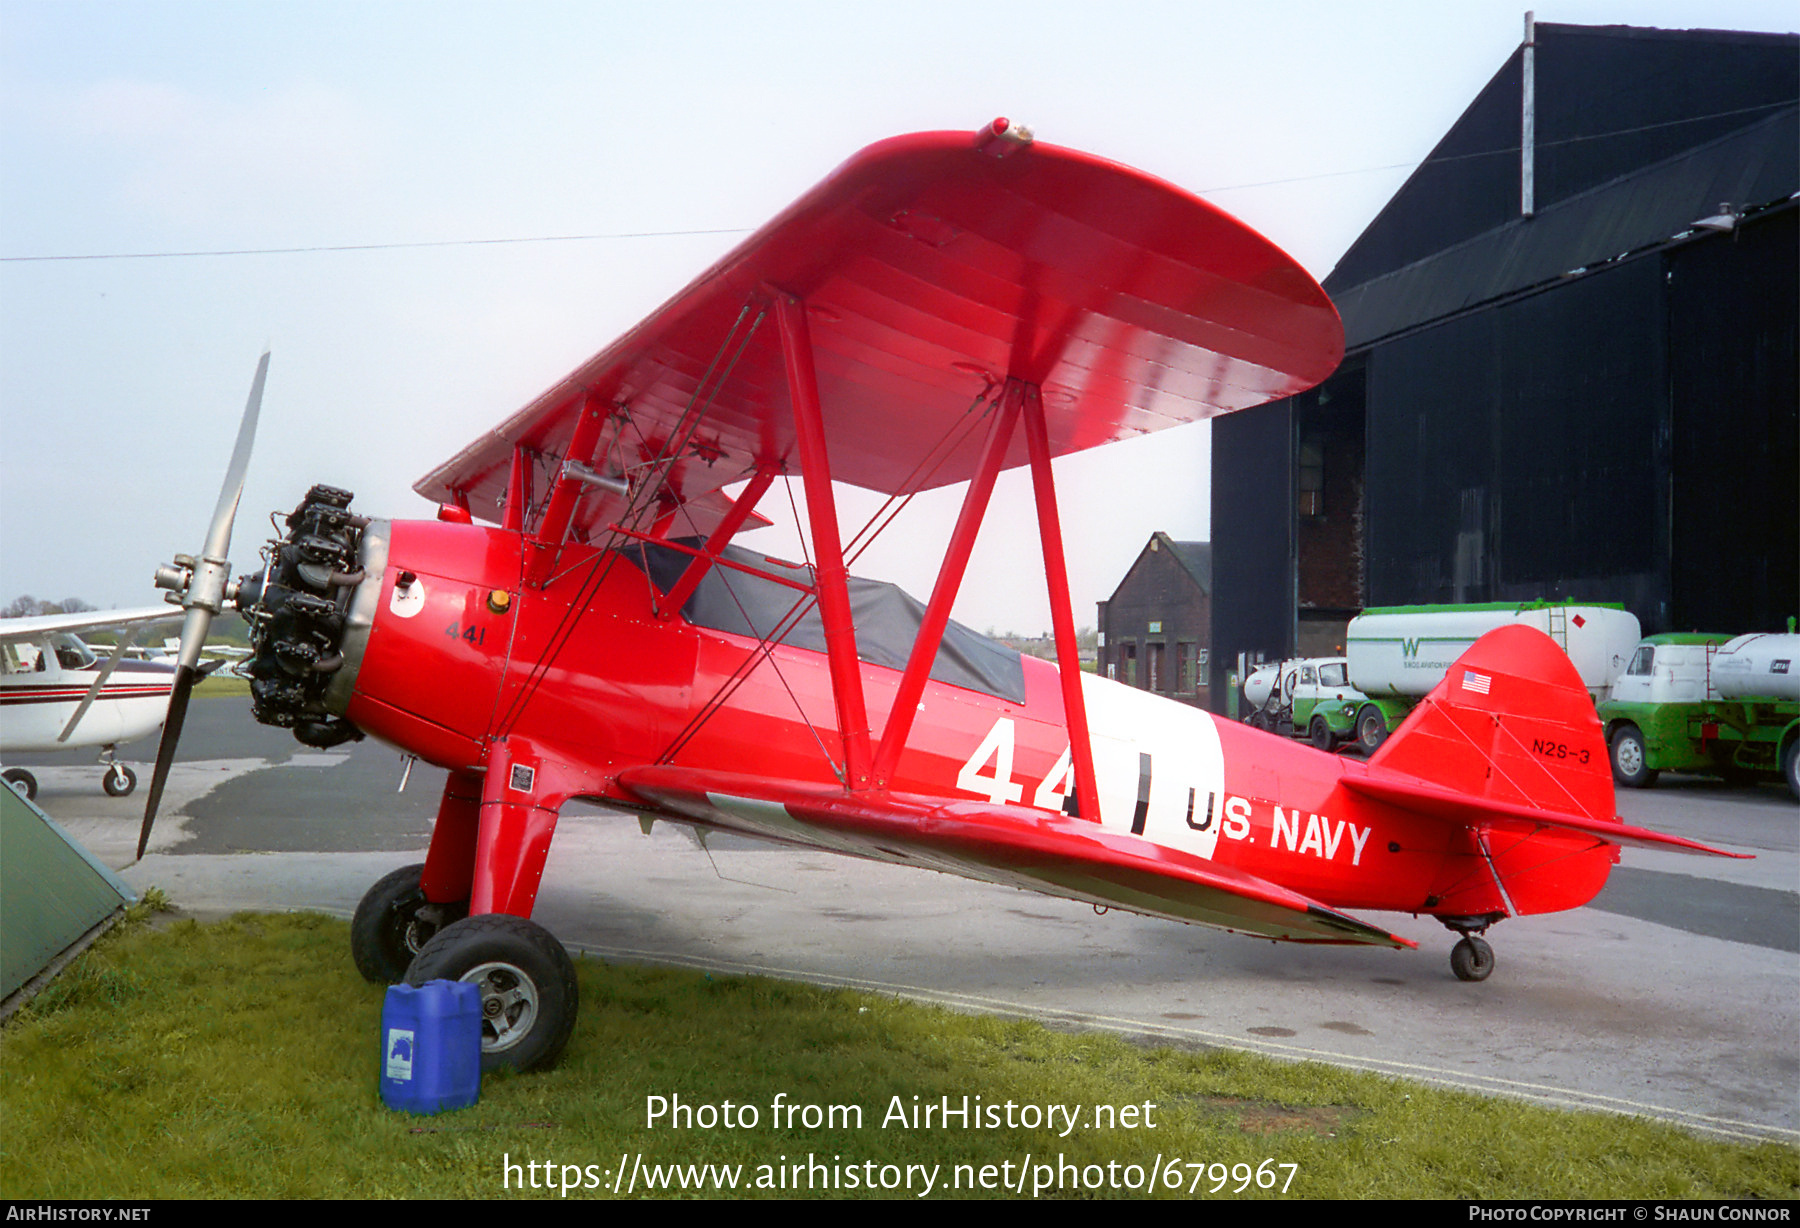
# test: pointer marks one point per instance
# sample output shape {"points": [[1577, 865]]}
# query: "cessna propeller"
{"points": [[202, 587]]}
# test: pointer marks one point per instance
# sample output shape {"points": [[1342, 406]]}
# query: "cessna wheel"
{"points": [[1471, 959], [119, 781], [393, 923], [1630, 761], [23, 783], [528, 994]]}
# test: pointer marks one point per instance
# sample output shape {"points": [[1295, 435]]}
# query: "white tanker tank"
{"points": [[1758, 667], [1403, 651], [1260, 685]]}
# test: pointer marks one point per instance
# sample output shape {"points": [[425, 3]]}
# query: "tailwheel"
{"points": [[528, 993], [1471, 959], [393, 923]]}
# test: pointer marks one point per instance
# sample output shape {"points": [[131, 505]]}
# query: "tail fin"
{"points": [[1509, 750], [1511, 722]]}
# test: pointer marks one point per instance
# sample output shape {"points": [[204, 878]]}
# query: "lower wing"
{"points": [[1013, 845]]}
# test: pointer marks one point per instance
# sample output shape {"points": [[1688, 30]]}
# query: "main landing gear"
{"points": [[529, 997], [1471, 959], [393, 923], [119, 780]]}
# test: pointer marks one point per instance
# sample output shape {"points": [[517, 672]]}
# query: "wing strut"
{"points": [[943, 594], [1062, 619], [821, 510], [565, 491], [127, 638], [518, 490], [721, 537]]}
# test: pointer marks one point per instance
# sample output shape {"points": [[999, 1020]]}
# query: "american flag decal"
{"points": [[1478, 683]]}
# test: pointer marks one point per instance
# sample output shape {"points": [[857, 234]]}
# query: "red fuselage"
{"points": [[596, 681]]}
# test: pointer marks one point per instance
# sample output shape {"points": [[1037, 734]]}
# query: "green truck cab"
{"points": [[1310, 698], [1689, 702]]}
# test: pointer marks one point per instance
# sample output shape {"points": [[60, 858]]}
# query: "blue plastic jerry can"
{"points": [[431, 1046]]}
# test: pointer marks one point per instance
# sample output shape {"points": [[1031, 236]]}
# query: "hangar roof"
{"points": [[1638, 134], [1752, 170]]}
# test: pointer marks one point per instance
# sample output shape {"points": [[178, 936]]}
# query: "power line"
{"points": [[376, 247], [739, 230]]}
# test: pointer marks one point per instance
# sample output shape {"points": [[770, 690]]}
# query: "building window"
{"points": [[1312, 478], [1184, 667], [1158, 680]]}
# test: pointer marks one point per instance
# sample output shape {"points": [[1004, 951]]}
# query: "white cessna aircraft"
{"points": [[56, 693]]}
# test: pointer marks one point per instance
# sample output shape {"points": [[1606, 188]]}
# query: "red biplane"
{"points": [[576, 622]]}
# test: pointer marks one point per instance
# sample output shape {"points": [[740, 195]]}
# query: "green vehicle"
{"points": [[1702, 703], [1310, 698]]}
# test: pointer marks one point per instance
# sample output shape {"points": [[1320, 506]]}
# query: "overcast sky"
{"points": [[163, 127]]}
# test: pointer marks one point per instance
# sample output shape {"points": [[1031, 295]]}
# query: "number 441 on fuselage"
{"points": [[576, 622]]}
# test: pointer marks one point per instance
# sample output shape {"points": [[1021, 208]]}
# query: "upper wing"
{"points": [[1015, 845], [13, 630], [933, 270]]}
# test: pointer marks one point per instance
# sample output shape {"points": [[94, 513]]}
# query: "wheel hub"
{"points": [[1631, 756], [509, 1004]]}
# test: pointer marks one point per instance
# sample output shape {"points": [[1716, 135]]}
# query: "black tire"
{"points": [[1371, 728], [1471, 959], [23, 783], [1630, 761], [119, 781], [1321, 734], [1790, 767], [388, 932], [529, 997]]}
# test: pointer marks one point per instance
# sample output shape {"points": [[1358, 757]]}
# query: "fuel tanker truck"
{"points": [[1703, 703], [1395, 655]]}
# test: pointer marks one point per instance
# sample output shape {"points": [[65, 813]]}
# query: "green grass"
{"points": [[239, 1059]]}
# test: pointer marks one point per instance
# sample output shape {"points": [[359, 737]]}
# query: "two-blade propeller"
{"points": [[201, 587]]}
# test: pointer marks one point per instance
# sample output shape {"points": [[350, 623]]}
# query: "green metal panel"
{"points": [[52, 891]]}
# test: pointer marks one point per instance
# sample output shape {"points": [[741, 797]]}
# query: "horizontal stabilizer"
{"points": [[1014, 845], [1421, 797]]}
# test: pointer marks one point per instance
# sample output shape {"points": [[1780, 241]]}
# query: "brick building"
{"points": [[1156, 628]]}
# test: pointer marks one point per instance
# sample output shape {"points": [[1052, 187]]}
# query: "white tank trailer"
{"points": [[1401, 652], [1397, 654], [1758, 667]]}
